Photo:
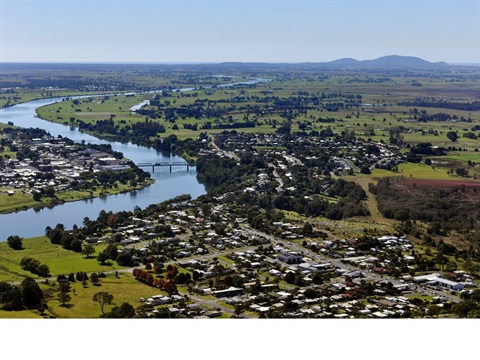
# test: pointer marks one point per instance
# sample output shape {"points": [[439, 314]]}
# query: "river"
{"points": [[167, 184]]}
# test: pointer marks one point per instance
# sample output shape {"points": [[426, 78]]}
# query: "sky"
{"points": [[212, 31]]}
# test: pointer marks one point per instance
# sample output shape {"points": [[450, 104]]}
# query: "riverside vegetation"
{"points": [[322, 162]]}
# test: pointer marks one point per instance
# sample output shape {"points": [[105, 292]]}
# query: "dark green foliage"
{"points": [[290, 277], [222, 174], [102, 257], [365, 170], [466, 308], [34, 266], [124, 311], [94, 278], [27, 295], [442, 104], [124, 259], [452, 136], [31, 293], [349, 205], [10, 297], [15, 242]]}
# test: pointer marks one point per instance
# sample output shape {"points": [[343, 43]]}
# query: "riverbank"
{"points": [[20, 96], [19, 201]]}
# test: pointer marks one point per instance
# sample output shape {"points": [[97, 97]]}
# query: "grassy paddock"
{"points": [[124, 289], [59, 260]]}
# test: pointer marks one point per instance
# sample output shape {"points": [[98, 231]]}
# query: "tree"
{"points": [[102, 258], [206, 209], [43, 270], [31, 293], [434, 310], [50, 192], [401, 215], [124, 259], [452, 136], [64, 297], [218, 270], [94, 278], [440, 259], [111, 251], [462, 308], [307, 229], [239, 309], [103, 298], [196, 275], [124, 311], [15, 242], [10, 297], [34, 266], [290, 277], [76, 245], [317, 278], [365, 170], [170, 287], [451, 266], [88, 250]]}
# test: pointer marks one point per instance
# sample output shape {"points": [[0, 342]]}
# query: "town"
{"points": [[234, 253], [45, 166]]}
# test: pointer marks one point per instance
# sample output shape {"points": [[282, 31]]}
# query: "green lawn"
{"points": [[59, 260], [421, 171], [124, 289]]}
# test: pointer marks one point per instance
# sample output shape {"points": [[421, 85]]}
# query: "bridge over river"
{"points": [[170, 165]]}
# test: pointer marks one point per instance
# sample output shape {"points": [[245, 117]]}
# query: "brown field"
{"points": [[439, 184], [459, 190]]}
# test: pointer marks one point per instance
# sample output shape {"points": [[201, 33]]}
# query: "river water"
{"points": [[167, 184]]}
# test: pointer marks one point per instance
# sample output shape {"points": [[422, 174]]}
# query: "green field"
{"points": [[81, 306], [59, 260]]}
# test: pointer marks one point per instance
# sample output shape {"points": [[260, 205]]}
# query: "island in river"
{"points": [[37, 170]]}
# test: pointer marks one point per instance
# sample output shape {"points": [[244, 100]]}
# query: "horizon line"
{"points": [[217, 62], [456, 63]]}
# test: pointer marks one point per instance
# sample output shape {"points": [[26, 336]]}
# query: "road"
{"points": [[369, 276], [229, 154]]}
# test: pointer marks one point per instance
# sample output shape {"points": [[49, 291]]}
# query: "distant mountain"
{"points": [[396, 61], [386, 62]]}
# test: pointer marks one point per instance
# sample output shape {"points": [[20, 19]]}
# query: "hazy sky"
{"points": [[160, 31]]}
